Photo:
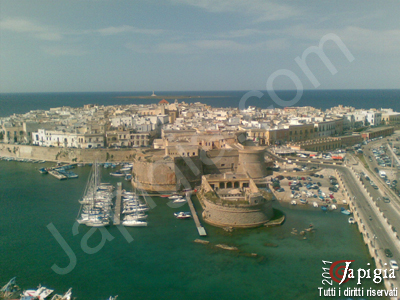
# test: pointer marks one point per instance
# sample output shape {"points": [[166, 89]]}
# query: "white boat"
{"points": [[315, 204], [333, 206], [125, 169], [134, 223], [139, 217], [66, 296], [98, 222], [40, 293], [117, 174], [96, 202], [293, 202], [351, 220], [131, 210], [173, 197], [183, 215], [127, 193], [179, 200]]}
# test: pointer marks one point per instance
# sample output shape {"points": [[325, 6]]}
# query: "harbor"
{"points": [[149, 250]]}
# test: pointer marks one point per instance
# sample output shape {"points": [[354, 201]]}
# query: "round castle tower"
{"points": [[252, 162]]}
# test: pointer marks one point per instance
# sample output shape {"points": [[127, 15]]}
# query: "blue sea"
{"points": [[162, 261], [22, 103]]}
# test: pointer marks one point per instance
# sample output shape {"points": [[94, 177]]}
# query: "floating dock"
{"points": [[200, 229], [117, 210]]}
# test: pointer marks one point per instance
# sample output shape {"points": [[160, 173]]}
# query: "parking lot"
{"points": [[315, 189]]}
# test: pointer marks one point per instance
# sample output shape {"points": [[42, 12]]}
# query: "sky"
{"points": [[197, 45]]}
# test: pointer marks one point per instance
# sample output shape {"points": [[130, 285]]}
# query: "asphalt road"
{"points": [[383, 239]]}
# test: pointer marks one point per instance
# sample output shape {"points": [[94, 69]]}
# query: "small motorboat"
{"points": [[173, 197], [43, 171], [324, 207], [303, 201], [183, 215], [345, 211], [293, 202], [134, 223], [315, 204], [333, 207], [351, 220], [179, 200], [117, 174], [40, 293]]}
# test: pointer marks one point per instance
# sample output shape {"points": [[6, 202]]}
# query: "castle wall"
{"points": [[167, 175], [219, 161], [155, 176], [244, 216]]}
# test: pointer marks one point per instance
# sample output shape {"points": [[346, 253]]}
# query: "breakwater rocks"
{"points": [[230, 248]]}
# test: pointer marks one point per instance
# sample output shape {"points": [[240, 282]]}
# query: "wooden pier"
{"points": [[117, 210], [200, 229]]}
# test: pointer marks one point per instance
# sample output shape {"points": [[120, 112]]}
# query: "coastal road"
{"points": [[384, 240]]}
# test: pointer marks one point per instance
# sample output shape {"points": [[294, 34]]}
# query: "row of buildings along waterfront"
{"points": [[157, 125], [176, 146]]}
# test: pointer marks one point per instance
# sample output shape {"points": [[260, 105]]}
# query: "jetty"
{"points": [[117, 209], [200, 229]]}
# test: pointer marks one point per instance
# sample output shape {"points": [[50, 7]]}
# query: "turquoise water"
{"points": [[162, 261]]}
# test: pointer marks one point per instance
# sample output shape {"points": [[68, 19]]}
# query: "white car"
{"points": [[393, 264]]}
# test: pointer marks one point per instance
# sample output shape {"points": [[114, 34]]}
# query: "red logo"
{"points": [[343, 273]]}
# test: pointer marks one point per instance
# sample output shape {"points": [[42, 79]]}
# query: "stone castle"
{"points": [[155, 170]]}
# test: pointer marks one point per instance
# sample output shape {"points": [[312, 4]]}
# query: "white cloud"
{"points": [[240, 33], [355, 38], [128, 29], [34, 29], [260, 10], [202, 46], [58, 50]]}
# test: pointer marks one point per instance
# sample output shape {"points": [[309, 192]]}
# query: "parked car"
{"points": [[393, 264], [388, 253], [386, 200]]}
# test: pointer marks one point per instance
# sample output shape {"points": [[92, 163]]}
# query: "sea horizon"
{"points": [[20, 103]]}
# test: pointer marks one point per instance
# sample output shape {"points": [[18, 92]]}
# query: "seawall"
{"points": [[66, 154]]}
